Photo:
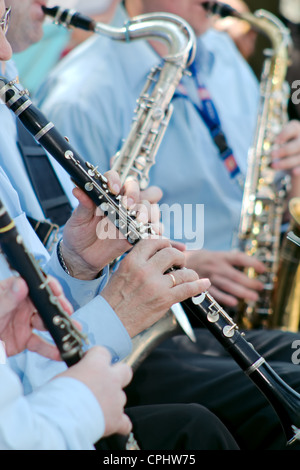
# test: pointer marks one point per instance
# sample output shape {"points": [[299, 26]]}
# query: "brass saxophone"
{"points": [[150, 121], [264, 197]]}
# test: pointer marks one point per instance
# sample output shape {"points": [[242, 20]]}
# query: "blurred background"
{"points": [[252, 45], [59, 41]]}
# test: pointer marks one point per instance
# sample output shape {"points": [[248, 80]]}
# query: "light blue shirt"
{"points": [[61, 415], [91, 95]]}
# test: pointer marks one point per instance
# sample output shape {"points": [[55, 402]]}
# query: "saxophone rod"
{"points": [[167, 27], [293, 238]]}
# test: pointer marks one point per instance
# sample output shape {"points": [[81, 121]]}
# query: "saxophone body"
{"points": [[264, 196], [264, 199]]}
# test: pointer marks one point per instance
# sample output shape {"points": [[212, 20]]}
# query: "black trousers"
{"points": [[179, 371], [174, 427]]}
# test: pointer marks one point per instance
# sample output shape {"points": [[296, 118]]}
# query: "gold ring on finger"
{"points": [[173, 279]]}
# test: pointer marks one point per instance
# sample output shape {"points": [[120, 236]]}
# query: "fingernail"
{"points": [[143, 217], [130, 202], [206, 283], [116, 188], [16, 286], [296, 171]]}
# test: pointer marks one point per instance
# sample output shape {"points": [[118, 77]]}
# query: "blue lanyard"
{"points": [[209, 114]]}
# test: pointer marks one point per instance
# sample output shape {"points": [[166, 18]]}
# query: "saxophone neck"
{"points": [[263, 22], [169, 29]]}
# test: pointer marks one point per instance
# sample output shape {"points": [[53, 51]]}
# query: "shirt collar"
{"points": [[148, 57], [205, 57]]}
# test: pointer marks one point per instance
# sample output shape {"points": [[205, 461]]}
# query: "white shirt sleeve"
{"points": [[61, 415]]}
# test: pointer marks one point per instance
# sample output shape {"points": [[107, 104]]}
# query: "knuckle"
{"points": [[153, 290], [188, 290], [191, 274], [145, 274], [129, 263], [238, 257], [235, 276], [100, 352], [176, 255]]}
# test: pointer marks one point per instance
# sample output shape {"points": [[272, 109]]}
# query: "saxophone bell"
{"points": [[286, 296]]}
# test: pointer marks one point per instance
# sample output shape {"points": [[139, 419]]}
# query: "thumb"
{"points": [[86, 208], [125, 425], [12, 291]]}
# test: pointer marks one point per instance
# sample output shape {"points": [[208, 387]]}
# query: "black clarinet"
{"points": [[285, 400], [68, 339]]}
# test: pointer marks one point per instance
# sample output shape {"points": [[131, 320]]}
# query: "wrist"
{"points": [[74, 265]]}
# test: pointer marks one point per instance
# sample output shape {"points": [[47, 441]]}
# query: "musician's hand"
{"points": [[144, 202], [90, 241], [228, 282], [106, 382], [140, 292], [286, 155], [18, 318]]}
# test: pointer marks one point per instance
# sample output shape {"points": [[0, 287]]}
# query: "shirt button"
{"points": [[89, 293]]}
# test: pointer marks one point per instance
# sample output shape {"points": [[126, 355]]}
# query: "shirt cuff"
{"points": [[77, 291], [103, 327]]}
